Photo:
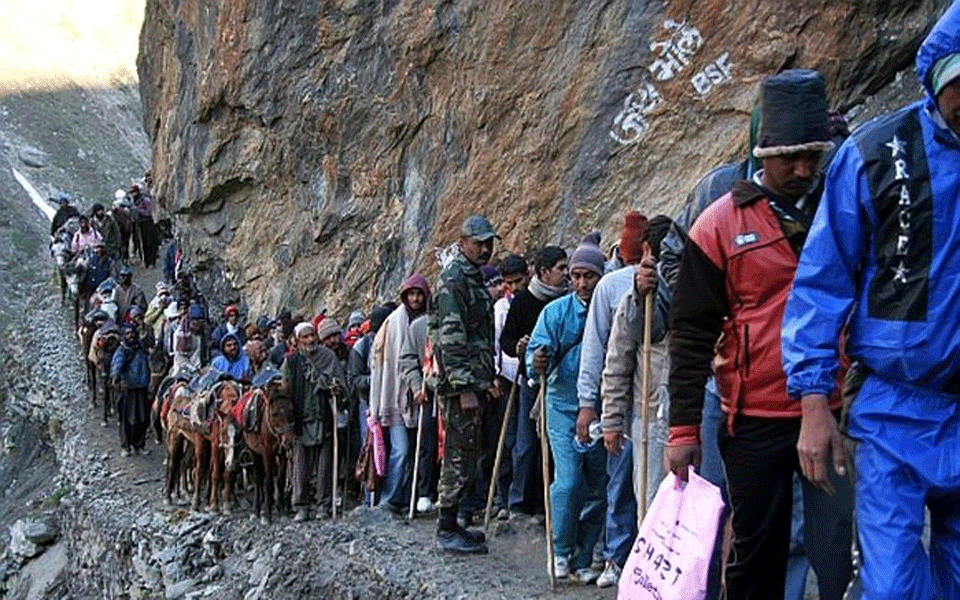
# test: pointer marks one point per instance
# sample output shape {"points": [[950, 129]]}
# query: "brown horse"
{"points": [[270, 439], [100, 343], [173, 406], [203, 421]]}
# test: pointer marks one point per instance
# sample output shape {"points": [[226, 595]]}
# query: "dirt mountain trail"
{"points": [[155, 549]]}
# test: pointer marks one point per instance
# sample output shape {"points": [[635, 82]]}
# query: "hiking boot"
{"points": [[610, 575], [454, 541], [301, 516], [124, 452], [584, 575], [561, 568], [143, 452], [103, 423], [503, 514], [424, 504]]}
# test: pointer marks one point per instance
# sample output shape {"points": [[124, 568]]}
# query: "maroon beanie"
{"points": [[633, 236]]}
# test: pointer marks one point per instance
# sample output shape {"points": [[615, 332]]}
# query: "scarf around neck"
{"points": [[544, 292]]}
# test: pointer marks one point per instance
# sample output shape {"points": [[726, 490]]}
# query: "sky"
{"points": [[48, 44]]}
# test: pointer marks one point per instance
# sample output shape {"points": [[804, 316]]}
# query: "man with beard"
{"points": [[390, 396], [231, 360], [548, 283], [310, 376], [131, 372], [461, 335]]}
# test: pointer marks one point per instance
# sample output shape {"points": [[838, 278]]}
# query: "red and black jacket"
{"points": [[727, 309]]}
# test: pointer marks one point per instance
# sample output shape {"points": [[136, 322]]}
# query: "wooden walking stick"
{"points": [[545, 463], [645, 404], [416, 456], [507, 412], [336, 456]]}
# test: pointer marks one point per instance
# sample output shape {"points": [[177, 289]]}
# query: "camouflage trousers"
{"points": [[462, 430]]}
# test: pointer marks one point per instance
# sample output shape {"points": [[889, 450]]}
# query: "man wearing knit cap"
{"points": [[391, 399], [629, 250], [620, 521], [881, 264], [354, 328], [460, 329], [329, 332], [310, 376], [577, 494], [735, 275], [493, 280]]}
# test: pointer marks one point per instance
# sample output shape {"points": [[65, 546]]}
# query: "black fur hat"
{"points": [[794, 114]]}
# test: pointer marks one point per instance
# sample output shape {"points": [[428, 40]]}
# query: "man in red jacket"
{"points": [[735, 276]]}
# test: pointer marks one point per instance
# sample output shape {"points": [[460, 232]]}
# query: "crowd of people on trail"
{"points": [[804, 291]]}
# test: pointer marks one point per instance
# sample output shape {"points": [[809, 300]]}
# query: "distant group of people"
{"points": [[785, 300]]}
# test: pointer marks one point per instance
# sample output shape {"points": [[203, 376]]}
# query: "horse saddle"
{"points": [[265, 377], [245, 412]]}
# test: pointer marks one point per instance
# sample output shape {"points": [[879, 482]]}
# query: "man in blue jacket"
{"points": [[130, 370], [231, 359], [577, 495], [882, 259]]}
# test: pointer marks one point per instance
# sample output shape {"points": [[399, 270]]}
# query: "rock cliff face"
{"points": [[316, 152]]}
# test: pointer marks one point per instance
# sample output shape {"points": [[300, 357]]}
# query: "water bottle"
{"points": [[595, 431]]}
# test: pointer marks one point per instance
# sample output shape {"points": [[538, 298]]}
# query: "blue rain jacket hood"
{"points": [[942, 40]]}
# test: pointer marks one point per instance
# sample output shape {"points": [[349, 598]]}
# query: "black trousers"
{"points": [[760, 460]]}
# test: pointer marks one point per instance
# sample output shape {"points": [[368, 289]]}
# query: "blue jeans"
{"points": [[577, 494], [396, 489], [621, 516], [526, 487]]}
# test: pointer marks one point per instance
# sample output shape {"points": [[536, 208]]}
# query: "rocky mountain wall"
{"points": [[315, 152]]}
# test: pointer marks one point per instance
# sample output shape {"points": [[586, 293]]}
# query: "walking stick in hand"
{"points": [[545, 463], [336, 455], [507, 412], [416, 455], [645, 404]]}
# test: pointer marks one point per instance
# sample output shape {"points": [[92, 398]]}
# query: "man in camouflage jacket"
{"points": [[461, 335]]}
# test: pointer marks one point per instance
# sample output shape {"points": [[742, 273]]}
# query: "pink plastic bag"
{"points": [[671, 555], [379, 449]]}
